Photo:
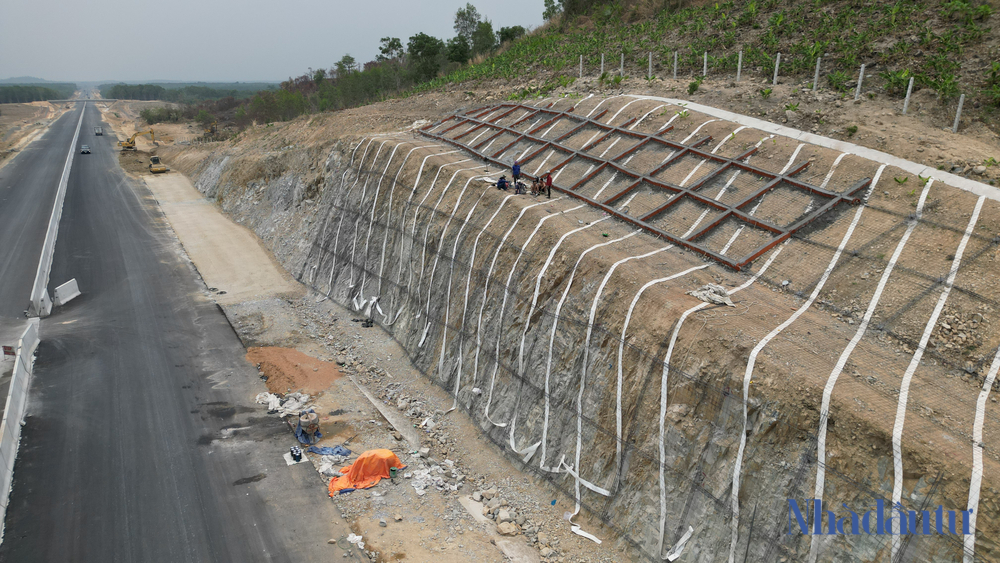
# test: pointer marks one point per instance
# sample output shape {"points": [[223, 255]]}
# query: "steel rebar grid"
{"points": [[680, 150]]}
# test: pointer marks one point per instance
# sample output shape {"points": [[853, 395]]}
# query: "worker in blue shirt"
{"points": [[516, 171]]}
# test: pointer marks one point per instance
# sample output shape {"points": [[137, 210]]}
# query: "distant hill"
{"points": [[25, 80]]}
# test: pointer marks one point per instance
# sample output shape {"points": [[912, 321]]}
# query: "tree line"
{"points": [[397, 68], [184, 95], [24, 93]]}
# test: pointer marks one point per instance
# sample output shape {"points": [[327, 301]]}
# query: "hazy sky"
{"points": [[217, 40]]}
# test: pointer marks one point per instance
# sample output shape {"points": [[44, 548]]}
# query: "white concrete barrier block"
{"points": [[67, 292]]}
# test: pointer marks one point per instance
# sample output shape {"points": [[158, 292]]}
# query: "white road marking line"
{"points": [[904, 390]]}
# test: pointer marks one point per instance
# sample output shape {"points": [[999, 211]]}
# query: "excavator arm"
{"points": [[129, 144]]}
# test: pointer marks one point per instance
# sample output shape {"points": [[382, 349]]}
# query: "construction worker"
{"points": [[548, 185], [516, 171]]}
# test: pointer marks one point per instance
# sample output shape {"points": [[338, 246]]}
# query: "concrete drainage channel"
{"points": [[40, 305]]}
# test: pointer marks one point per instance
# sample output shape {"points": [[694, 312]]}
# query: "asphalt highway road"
{"points": [[142, 442], [27, 189]]}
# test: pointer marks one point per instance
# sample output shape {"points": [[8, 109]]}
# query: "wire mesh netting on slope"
{"points": [[455, 289]]}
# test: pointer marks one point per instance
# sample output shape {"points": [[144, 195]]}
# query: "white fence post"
{"points": [[704, 65], [621, 66], [602, 64], [777, 63], [581, 66], [909, 90], [649, 72], [739, 66], [816, 76], [675, 65], [958, 114], [861, 78]]}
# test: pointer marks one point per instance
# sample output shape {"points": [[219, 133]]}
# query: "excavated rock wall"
{"points": [[517, 306]]}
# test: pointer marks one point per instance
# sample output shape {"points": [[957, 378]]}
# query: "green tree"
{"points": [[507, 34], [552, 9], [426, 54], [467, 22], [204, 118], [345, 65], [483, 40], [391, 48], [458, 49]]}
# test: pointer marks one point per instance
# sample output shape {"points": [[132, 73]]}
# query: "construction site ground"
{"points": [[298, 340], [436, 526]]}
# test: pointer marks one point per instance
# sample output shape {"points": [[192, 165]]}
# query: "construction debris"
{"points": [[712, 293]]}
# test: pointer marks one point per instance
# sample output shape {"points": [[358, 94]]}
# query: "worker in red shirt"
{"points": [[548, 185]]}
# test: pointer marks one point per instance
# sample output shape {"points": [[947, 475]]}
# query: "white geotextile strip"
{"points": [[371, 221], [354, 239], [465, 301], [486, 285], [413, 230], [976, 481], [423, 249], [451, 275], [972, 186], [664, 380], [503, 306], [552, 336], [842, 361], [752, 360], [904, 389]]}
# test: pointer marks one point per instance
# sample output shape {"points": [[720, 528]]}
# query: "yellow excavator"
{"points": [[157, 167], [129, 144], [212, 129]]}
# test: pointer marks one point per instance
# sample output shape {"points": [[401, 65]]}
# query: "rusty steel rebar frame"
{"points": [[680, 150]]}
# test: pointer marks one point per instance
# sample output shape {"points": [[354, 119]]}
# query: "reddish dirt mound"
{"points": [[289, 370]]}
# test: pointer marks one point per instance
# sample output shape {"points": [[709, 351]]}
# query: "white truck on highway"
{"points": [[98, 131]]}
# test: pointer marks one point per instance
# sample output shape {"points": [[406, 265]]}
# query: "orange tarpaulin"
{"points": [[366, 471]]}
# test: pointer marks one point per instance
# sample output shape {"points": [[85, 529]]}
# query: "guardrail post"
{"points": [[816, 76], [909, 90], [581, 66], [675, 65], [649, 71], [958, 114], [704, 64], [621, 66], [602, 64], [777, 63], [739, 65], [861, 77]]}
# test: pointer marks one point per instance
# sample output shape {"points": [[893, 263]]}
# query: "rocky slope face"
{"points": [[569, 337]]}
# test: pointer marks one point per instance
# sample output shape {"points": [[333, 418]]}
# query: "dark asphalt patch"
{"points": [[248, 480]]}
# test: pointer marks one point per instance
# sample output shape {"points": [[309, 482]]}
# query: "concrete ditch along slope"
{"points": [[518, 307]]}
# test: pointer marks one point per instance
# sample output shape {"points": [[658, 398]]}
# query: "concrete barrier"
{"points": [[66, 292], [40, 304], [13, 414]]}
